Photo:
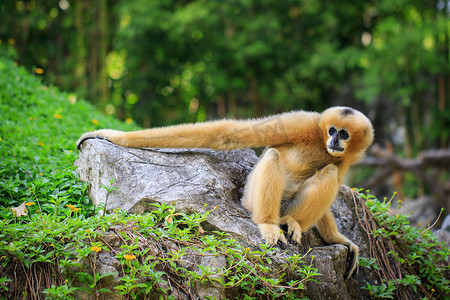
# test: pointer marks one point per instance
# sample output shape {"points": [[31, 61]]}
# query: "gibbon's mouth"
{"points": [[335, 149]]}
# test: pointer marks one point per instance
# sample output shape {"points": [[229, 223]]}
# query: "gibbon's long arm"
{"points": [[218, 135]]}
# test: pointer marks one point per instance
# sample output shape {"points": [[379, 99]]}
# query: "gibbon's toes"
{"points": [[295, 233], [271, 234], [292, 241], [352, 261], [289, 234]]}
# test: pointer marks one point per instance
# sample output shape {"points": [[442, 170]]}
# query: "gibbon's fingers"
{"points": [[271, 233], [104, 134], [294, 229], [282, 245], [352, 260]]}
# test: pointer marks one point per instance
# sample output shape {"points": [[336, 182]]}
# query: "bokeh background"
{"points": [[162, 62]]}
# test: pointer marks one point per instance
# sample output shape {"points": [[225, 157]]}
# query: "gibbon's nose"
{"points": [[335, 142]]}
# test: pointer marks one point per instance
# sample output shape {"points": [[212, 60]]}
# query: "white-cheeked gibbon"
{"points": [[298, 175]]}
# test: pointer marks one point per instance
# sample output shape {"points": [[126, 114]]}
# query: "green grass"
{"points": [[38, 129]]}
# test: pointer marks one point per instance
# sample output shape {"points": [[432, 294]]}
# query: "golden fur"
{"points": [[297, 177]]}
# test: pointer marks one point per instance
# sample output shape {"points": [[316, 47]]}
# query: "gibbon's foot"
{"points": [[271, 234], [352, 261]]}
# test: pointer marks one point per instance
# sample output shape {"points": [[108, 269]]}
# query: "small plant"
{"points": [[3, 280], [407, 259], [62, 292], [108, 189]]}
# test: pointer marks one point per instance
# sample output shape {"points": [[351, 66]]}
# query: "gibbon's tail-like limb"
{"points": [[218, 135]]}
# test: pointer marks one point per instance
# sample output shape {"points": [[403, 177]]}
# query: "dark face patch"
{"points": [[347, 111]]}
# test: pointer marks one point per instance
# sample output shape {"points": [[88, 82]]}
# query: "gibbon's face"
{"points": [[345, 130], [337, 140]]}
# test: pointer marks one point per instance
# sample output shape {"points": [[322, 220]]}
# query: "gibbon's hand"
{"points": [[352, 261], [104, 134], [292, 229]]}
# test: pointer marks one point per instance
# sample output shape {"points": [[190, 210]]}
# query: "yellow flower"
{"points": [[73, 208], [129, 256], [29, 203], [96, 249], [40, 174], [95, 121], [39, 71], [58, 116], [87, 230], [41, 144], [0, 139], [129, 120]]}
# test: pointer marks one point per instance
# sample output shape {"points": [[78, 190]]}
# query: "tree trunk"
{"points": [[103, 51], [80, 67]]}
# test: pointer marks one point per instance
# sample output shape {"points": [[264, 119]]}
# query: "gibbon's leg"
{"points": [[328, 229], [314, 198], [262, 196]]}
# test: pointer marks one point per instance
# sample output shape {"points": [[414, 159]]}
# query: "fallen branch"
{"points": [[390, 163]]}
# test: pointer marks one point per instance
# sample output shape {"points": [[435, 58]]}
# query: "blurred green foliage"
{"points": [[161, 62], [38, 130]]}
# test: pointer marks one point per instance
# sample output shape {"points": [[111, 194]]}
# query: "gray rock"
{"points": [[189, 179], [446, 224], [443, 234], [421, 212]]}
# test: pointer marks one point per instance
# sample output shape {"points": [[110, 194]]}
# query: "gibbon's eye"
{"points": [[332, 131], [343, 134]]}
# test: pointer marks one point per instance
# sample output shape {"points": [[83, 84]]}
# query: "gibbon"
{"points": [[298, 175]]}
